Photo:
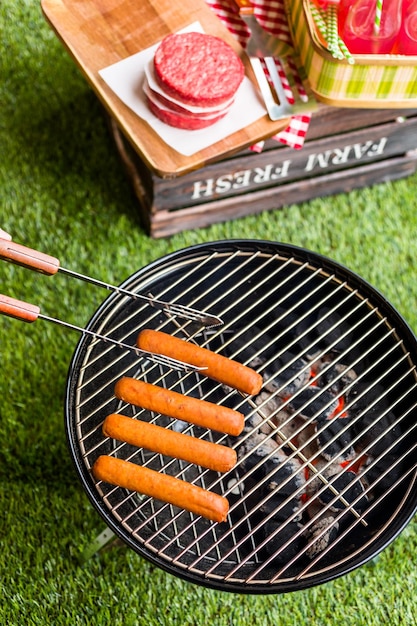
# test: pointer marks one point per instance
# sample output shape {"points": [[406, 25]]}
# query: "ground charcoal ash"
{"points": [[309, 453], [323, 533], [275, 417]]}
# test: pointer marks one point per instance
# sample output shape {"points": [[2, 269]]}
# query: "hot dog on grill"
{"points": [[170, 443], [162, 487], [218, 367], [174, 404]]}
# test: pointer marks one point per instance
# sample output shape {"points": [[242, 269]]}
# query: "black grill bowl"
{"points": [[275, 299]]}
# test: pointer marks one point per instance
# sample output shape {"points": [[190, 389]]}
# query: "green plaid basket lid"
{"points": [[374, 81]]}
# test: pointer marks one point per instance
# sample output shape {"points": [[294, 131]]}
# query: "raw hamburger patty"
{"points": [[179, 120], [154, 92], [161, 101], [198, 69]]}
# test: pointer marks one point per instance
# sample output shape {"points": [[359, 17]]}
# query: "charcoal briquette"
{"points": [[286, 374], [354, 489], [312, 403], [324, 531], [334, 440]]}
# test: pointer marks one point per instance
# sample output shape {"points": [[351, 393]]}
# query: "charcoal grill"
{"points": [[326, 476]]}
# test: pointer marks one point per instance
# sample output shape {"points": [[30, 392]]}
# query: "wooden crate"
{"points": [[345, 149]]}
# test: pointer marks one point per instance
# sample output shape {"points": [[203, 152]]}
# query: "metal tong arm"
{"points": [[27, 312], [46, 264]]}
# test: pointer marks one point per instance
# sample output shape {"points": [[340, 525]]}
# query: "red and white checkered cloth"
{"points": [[271, 16]]}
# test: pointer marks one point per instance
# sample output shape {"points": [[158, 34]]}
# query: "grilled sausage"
{"points": [[170, 443], [162, 487], [219, 367], [174, 404]]}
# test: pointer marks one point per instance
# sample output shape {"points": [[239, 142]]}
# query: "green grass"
{"points": [[63, 191]]}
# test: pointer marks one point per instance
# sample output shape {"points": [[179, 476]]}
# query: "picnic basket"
{"points": [[371, 81]]}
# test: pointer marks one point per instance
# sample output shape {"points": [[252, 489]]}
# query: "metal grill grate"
{"points": [[332, 353]]}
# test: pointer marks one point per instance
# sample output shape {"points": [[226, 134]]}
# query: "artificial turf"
{"points": [[63, 191]]}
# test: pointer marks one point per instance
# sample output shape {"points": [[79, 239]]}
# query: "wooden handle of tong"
{"points": [[18, 309], [26, 257]]}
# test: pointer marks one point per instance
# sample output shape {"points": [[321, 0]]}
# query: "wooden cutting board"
{"points": [[98, 33]]}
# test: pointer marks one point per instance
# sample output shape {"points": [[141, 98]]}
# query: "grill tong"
{"points": [[45, 264], [30, 312]]}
